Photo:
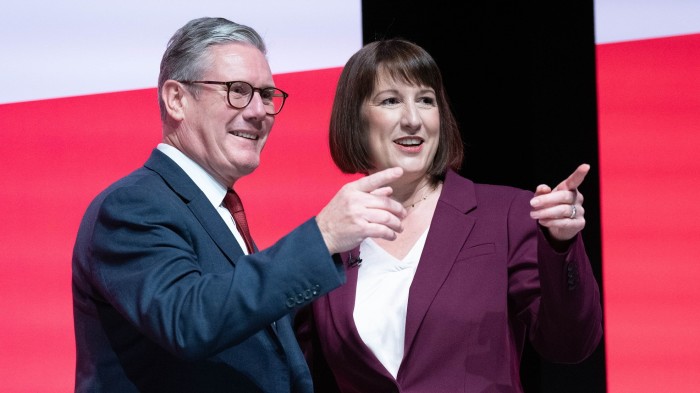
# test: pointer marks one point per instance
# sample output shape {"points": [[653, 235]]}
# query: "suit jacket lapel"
{"points": [[197, 202], [449, 230]]}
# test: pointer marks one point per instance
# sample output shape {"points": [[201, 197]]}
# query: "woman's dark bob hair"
{"points": [[403, 61]]}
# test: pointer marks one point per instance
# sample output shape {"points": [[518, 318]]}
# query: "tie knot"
{"points": [[233, 201]]}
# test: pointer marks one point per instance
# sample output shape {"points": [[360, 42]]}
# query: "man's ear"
{"points": [[175, 98]]}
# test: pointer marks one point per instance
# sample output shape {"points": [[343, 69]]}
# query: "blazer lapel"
{"points": [[341, 303], [197, 202], [449, 230]]}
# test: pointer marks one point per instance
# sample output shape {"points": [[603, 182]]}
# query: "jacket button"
{"points": [[308, 294], [300, 298]]}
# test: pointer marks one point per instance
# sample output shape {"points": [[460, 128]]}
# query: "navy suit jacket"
{"points": [[487, 280], [164, 299]]}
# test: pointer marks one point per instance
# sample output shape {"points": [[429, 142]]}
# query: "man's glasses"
{"points": [[239, 95]]}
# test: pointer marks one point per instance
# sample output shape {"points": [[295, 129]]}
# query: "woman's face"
{"points": [[403, 126]]}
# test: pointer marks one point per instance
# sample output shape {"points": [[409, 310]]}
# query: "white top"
{"points": [[211, 188], [382, 298]]}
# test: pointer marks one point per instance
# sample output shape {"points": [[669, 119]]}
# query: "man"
{"points": [[166, 296]]}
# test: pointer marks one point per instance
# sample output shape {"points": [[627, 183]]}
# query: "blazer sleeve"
{"points": [[555, 292]]}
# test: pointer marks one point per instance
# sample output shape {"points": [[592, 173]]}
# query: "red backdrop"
{"points": [[649, 137]]}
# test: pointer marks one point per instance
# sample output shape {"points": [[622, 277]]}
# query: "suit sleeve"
{"points": [[153, 263]]}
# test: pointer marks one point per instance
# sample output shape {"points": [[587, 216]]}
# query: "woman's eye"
{"points": [[390, 101], [427, 101]]}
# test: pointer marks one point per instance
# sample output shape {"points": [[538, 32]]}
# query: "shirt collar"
{"points": [[211, 188]]}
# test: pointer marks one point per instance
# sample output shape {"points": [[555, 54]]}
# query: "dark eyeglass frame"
{"points": [[273, 90]]}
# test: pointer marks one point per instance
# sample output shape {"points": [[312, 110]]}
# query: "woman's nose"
{"points": [[411, 117]]}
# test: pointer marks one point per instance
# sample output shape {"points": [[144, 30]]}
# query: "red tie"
{"points": [[235, 206]]}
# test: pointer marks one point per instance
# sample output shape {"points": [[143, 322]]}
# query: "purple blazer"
{"points": [[487, 281]]}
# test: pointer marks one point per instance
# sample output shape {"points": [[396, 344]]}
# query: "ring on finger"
{"points": [[573, 212]]}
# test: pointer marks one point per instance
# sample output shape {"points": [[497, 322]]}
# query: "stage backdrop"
{"points": [[78, 110], [648, 64]]}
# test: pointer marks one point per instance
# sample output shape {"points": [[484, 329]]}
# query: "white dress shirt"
{"points": [[211, 188]]}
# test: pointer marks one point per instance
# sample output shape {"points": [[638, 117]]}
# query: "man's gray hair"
{"points": [[186, 55]]}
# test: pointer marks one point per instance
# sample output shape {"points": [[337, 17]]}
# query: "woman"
{"points": [[477, 270]]}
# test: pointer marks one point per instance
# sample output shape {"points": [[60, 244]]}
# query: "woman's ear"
{"points": [[175, 98]]}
